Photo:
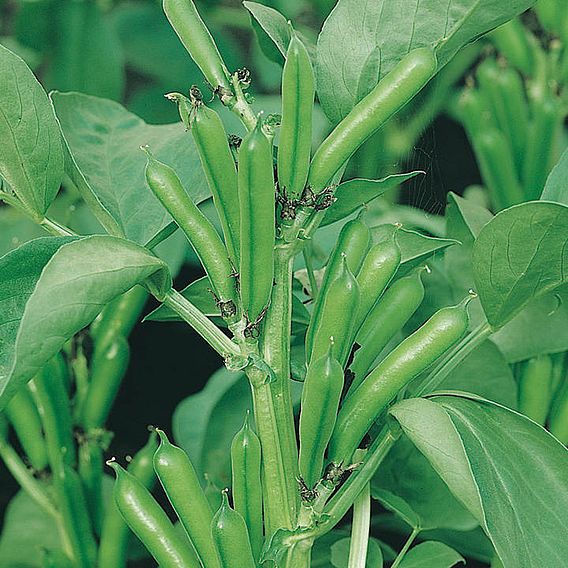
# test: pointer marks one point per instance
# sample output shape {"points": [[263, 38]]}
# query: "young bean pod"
{"points": [[149, 522], [218, 164], [335, 318], [558, 422], [396, 89], [320, 401], [378, 269], [513, 42], [387, 317], [535, 388], [205, 240], [353, 242], [193, 33], [91, 473], [231, 536], [246, 484], [417, 352], [22, 413], [181, 484], [298, 90], [257, 207], [107, 371], [115, 533]]}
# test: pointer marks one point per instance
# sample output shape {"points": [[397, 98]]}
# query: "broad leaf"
{"points": [[521, 254], [340, 554], [51, 288], [204, 423], [355, 193], [31, 160], [556, 188], [539, 328], [431, 554], [87, 55], [508, 471], [104, 140], [413, 245], [464, 218], [376, 35], [398, 506], [272, 30], [406, 473], [27, 532]]}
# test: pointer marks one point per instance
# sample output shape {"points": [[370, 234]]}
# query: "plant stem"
{"points": [[276, 351], [306, 251], [202, 324], [56, 228], [27, 482], [346, 496], [276, 497], [360, 529], [405, 548], [239, 105], [300, 554], [453, 358]]}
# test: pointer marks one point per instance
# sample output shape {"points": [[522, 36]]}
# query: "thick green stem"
{"points": [[276, 497], [276, 351], [300, 554], [202, 324]]}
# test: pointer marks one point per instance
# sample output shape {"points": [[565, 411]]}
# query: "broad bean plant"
{"points": [[394, 389]]}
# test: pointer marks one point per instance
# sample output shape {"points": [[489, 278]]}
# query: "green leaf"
{"points": [[87, 55], [27, 531], [16, 229], [521, 254], [431, 554], [375, 36], [508, 471], [205, 423], [413, 245], [32, 153], [407, 474], [486, 373], [355, 193], [398, 506], [464, 218], [104, 140], [51, 288], [556, 187], [540, 328], [272, 30], [340, 554]]}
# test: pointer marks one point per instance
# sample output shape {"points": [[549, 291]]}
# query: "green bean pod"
{"points": [[397, 88], [535, 388], [516, 112], [552, 15], [258, 230], [149, 522], [107, 371], [200, 232], [193, 33], [246, 484], [219, 167], [115, 533], [353, 242], [378, 269], [558, 422], [91, 474], [298, 91], [512, 41], [22, 413], [497, 167], [474, 111], [387, 317], [416, 353], [181, 484], [119, 317], [541, 144], [230, 533], [320, 402], [335, 319]]}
